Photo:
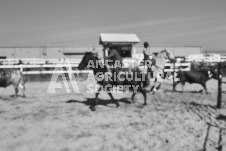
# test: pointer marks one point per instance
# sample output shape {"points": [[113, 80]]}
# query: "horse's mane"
{"points": [[160, 53], [99, 64], [163, 51]]}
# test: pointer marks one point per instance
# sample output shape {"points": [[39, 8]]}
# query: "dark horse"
{"points": [[133, 79]]}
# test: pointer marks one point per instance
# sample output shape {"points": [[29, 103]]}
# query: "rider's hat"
{"points": [[146, 44], [109, 45]]}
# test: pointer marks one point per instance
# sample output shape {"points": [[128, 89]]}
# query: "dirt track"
{"points": [[171, 121]]}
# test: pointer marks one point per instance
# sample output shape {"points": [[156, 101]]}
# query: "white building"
{"points": [[77, 51]]}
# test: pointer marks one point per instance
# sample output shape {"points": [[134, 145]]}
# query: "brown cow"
{"points": [[12, 77]]}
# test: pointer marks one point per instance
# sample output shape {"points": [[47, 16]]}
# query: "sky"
{"points": [[80, 22]]}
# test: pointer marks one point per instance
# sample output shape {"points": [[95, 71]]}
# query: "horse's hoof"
{"points": [[151, 88], [24, 96], [145, 104], [92, 108]]}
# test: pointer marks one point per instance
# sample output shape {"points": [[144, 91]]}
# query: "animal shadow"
{"points": [[199, 91], [5, 98], [18, 96], [221, 117], [202, 105], [91, 101]]}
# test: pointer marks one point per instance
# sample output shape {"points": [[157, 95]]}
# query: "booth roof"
{"points": [[118, 38]]}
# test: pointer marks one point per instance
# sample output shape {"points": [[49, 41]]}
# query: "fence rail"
{"points": [[71, 69], [57, 66], [37, 61]]}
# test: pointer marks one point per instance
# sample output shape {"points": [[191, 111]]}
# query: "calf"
{"points": [[12, 77], [196, 76]]}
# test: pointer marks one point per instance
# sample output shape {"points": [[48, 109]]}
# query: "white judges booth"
{"points": [[123, 43]]}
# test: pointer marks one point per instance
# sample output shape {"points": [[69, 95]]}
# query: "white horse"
{"points": [[157, 67]]}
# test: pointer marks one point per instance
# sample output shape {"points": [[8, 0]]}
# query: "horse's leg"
{"points": [[145, 95], [93, 107], [158, 87], [112, 98], [175, 84], [204, 86], [23, 91], [157, 83], [133, 96], [155, 87], [22, 87], [115, 101], [182, 86], [154, 76], [16, 91]]}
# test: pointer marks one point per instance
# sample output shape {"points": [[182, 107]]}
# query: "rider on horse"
{"points": [[147, 60], [146, 51], [114, 58]]}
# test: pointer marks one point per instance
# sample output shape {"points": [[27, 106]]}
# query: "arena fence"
{"points": [[69, 66], [38, 61], [42, 69], [47, 69], [221, 71]]}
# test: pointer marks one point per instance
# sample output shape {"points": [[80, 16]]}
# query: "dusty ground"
{"points": [[63, 122]]}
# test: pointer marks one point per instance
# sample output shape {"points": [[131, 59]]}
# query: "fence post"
{"points": [[70, 72], [219, 96], [174, 77]]}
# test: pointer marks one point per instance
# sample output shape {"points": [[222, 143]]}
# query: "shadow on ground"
{"points": [[200, 91], [91, 101]]}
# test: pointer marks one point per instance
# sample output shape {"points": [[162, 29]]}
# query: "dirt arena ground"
{"points": [[171, 121]]}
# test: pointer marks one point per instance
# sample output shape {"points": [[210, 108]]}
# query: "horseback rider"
{"points": [[114, 61], [147, 53], [147, 60], [114, 58]]}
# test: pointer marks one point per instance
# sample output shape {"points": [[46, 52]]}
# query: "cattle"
{"points": [[195, 76], [14, 78]]}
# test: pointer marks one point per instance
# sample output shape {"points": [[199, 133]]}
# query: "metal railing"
{"points": [[37, 61], [38, 66]]}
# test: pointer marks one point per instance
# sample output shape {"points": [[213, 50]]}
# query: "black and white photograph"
{"points": [[112, 75]]}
